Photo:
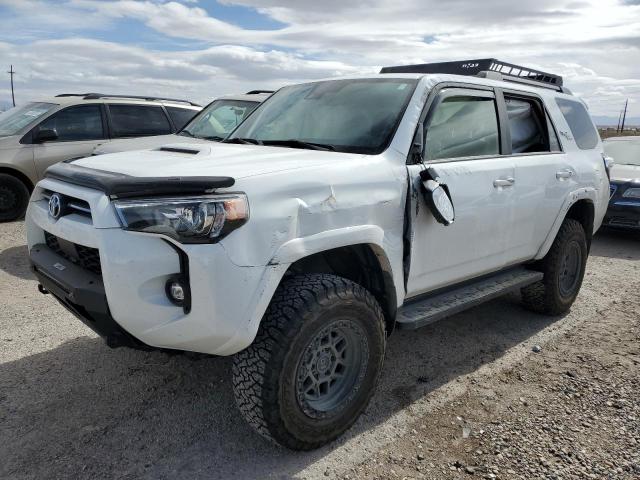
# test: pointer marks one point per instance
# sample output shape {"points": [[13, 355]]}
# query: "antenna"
{"points": [[11, 72]]}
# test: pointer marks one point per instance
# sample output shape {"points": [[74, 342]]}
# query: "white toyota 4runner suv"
{"points": [[336, 212]]}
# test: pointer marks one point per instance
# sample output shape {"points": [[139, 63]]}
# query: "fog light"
{"points": [[176, 291]]}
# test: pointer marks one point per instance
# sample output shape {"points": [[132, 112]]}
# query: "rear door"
{"points": [[80, 129], [462, 143], [543, 171]]}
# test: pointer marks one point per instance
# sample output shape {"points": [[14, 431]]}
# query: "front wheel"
{"points": [[14, 198], [315, 362], [563, 269]]}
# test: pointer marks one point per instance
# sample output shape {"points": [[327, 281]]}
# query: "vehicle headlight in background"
{"points": [[632, 193], [204, 219]]}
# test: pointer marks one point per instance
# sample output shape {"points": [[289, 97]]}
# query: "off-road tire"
{"points": [[14, 198], [546, 296], [264, 375]]}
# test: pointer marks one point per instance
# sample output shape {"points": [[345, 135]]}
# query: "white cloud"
{"points": [[595, 44]]}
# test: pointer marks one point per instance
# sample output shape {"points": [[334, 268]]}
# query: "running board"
{"points": [[427, 310]]}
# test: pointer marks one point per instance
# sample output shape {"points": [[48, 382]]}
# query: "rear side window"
{"points": [[462, 126], [138, 120], [76, 123], [576, 115], [180, 116], [528, 132]]}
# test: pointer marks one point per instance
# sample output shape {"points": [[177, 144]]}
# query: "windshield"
{"points": [[218, 119], [624, 152], [15, 119], [358, 115]]}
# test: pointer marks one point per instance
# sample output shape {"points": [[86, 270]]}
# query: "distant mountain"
{"points": [[604, 121]]}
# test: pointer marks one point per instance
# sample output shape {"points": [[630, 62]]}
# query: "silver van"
{"points": [[36, 135]]}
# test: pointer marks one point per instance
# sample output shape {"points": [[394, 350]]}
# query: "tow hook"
{"points": [[42, 290]]}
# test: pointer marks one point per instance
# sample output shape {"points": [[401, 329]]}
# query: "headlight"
{"points": [[189, 220], [632, 193]]}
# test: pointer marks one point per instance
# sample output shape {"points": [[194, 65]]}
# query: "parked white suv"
{"points": [[339, 210], [36, 135]]}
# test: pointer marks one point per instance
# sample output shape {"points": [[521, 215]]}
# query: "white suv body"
{"points": [[368, 209]]}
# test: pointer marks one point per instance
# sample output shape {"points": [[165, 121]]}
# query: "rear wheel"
{"points": [[563, 269], [14, 197], [314, 363]]}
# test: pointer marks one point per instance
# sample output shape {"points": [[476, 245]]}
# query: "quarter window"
{"points": [[138, 121], [76, 123], [576, 115], [463, 126], [180, 116]]}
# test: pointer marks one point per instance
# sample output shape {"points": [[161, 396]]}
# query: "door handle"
{"points": [[564, 174], [504, 182]]}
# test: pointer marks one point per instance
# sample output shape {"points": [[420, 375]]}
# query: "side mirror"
{"points": [[438, 198], [47, 135]]}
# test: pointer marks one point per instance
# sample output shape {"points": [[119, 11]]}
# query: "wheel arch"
{"points": [[364, 263], [19, 175], [579, 205]]}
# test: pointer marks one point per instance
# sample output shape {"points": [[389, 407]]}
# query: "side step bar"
{"points": [[426, 310]]}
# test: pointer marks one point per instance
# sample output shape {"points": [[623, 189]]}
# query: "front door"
{"points": [[462, 145], [79, 128]]}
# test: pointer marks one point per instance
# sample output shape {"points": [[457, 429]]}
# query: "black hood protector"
{"points": [[119, 185]]}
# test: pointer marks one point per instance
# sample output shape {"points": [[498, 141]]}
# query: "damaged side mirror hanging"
{"points": [[437, 197], [436, 194]]}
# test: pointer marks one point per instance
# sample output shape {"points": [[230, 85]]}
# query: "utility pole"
{"points": [[624, 115], [619, 120], [11, 72]]}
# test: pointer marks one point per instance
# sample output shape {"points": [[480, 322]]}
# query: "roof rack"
{"points": [[488, 68], [96, 96], [255, 92]]}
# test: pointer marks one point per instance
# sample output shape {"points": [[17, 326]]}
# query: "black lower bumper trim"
{"points": [[82, 293]]}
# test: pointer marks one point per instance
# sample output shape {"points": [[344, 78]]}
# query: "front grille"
{"points": [[86, 257], [623, 222], [70, 204]]}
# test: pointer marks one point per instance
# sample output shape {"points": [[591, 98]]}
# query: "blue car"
{"points": [[624, 203]]}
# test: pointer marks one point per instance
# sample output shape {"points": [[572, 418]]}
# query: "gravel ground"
{"points": [[467, 397]]}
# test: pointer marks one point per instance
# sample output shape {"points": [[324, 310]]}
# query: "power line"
{"points": [[11, 73]]}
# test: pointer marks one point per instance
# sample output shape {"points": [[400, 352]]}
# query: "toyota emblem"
{"points": [[55, 206]]}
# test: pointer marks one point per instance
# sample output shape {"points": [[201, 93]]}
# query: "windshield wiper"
{"points": [[244, 141], [215, 138], [301, 144], [186, 133]]}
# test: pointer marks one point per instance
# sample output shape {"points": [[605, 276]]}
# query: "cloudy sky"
{"points": [[200, 49]]}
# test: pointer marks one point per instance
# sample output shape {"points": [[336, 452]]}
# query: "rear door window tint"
{"points": [[576, 115], [76, 123], [463, 126], [138, 120]]}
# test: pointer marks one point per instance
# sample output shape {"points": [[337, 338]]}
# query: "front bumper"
{"points": [[227, 300], [81, 292], [623, 212]]}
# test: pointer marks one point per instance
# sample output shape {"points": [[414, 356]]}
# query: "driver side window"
{"points": [[462, 126]]}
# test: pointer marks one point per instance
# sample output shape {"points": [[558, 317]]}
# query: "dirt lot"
{"points": [[465, 398]]}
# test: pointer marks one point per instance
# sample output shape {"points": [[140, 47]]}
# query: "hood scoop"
{"points": [[186, 149]]}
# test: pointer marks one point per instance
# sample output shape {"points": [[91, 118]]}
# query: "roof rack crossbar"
{"points": [[255, 92], [508, 71], [96, 96]]}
